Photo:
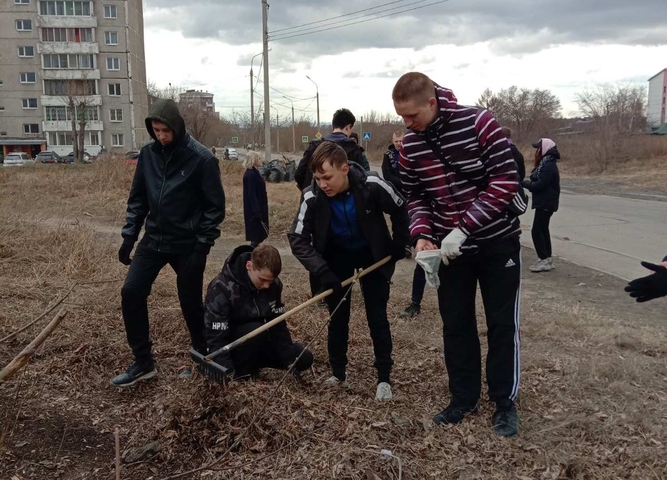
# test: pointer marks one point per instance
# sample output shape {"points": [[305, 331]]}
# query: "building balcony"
{"points": [[67, 47], [61, 100], [66, 22], [66, 126], [56, 74]]}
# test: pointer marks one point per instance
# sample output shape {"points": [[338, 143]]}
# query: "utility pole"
{"points": [[293, 126], [277, 131], [317, 95], [252, 103], [267, 109]]}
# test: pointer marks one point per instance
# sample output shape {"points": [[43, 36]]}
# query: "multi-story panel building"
{"points": [[657, 100], [55, 55], [197, 99]]}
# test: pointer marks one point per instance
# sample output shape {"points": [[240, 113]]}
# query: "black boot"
{"points": [[506, 420], [454, 413]]}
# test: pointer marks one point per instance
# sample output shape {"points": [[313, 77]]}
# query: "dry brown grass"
{"points": [[594, 379]]}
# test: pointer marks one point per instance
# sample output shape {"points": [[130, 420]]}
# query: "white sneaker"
{"points": [[541, 266], [334, 381], [383, 392], [551, 262]]}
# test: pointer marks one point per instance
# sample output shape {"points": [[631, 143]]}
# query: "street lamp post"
{"points": [[252, 103], [293, 127], [317, 93]]}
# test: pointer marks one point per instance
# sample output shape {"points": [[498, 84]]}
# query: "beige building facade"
{"points": [[84, 53]]}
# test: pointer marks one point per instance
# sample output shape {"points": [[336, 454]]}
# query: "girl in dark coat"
{"points": [[544, 184], [255, 201]]}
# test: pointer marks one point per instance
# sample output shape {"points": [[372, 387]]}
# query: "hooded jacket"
{"points": [[544, 182], [459, 173], [390, 169], [255, 206], [232, 300], [311, 234], [177, 190], [304, 175]]}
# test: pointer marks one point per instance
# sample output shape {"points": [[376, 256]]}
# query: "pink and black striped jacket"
{"points": [[472, 189]]}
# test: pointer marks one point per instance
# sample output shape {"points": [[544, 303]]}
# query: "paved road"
{"points": [[610, 234]]}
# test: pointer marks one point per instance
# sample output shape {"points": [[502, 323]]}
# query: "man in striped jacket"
{"points": [[459, 176]]}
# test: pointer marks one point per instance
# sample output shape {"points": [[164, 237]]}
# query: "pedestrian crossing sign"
{"points": [[366, 136]]}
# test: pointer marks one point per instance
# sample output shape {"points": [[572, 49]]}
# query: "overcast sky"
{"points": [[466, 45]]}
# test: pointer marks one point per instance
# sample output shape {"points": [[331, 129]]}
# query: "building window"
{"points": [[3, 134], [78, 35], [60, 138], [116, 115], [110, 11], [27, 51], [24, 25], [2, 109], [68, 61], [22, 2], [27, 77], [114, 90], [29, 103], [57, 114], [30, 128], [90, 113], [111, 38], [74, 87], [71, 9], [117, 139], [113, 63], [94, 138]]}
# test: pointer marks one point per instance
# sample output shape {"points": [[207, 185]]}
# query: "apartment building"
{"points": [[84, 53], [197, 99]]}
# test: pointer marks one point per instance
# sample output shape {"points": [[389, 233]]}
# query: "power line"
{"points": [[358, 22], [334, 18], [292, 97]]}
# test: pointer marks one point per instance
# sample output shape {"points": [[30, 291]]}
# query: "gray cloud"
{"points": [[514, 27]]}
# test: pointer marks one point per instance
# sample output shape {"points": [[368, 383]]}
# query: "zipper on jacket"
{"points": [[159, 201]]}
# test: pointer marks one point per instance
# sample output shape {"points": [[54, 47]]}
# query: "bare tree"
{"points": [[80, 111], [170, 92], [618, 111], [527, 111]]}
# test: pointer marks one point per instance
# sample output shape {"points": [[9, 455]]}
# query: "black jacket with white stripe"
{"points": [[310, 235]]}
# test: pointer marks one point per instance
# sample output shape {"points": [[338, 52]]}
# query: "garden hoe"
{"points": [[219, 374]]}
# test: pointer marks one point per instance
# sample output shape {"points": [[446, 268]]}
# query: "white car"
{"points": [[17, 159], [233, 154]]}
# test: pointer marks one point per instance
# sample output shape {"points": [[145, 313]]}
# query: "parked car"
{"points": [[233, 154], [18, 159], [70, 158], [48, 157], [132, 157]]}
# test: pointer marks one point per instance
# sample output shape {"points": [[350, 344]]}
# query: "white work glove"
{"points": [[451, 245], [430, 260]]}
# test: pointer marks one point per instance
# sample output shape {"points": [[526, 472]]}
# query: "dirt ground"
{"points": [[594, 376]]}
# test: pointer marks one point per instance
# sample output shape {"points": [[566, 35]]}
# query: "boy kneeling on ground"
{"points": [[245, 295]]}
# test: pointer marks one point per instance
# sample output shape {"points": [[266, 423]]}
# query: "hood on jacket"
{"points": [[234, 269], [547, 147], [341, 139], [166, 111], [447, 101]]}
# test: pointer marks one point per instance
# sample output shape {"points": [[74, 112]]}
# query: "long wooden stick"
{"points": [[60, 300], [284, 316], [116, 435], [22, 359]]}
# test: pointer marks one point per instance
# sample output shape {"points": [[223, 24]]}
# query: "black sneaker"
{"points": [[506, 422], [411, 311], [135, 373], [454, 414]]}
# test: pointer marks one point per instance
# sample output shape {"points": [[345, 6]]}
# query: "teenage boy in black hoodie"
{"points": [[177, 191], [340, 227], [245, 295]]}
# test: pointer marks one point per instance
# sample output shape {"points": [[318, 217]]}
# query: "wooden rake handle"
{"points": [[229, 347]]}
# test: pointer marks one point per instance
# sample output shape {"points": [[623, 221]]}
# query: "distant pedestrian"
{"points": [[213, 150], [544, 184], [255, 201]]}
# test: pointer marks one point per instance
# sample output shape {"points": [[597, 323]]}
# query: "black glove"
{"points": [[650, 287], [124, 252], [397, 252], [328, 279], [197, 260]]}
